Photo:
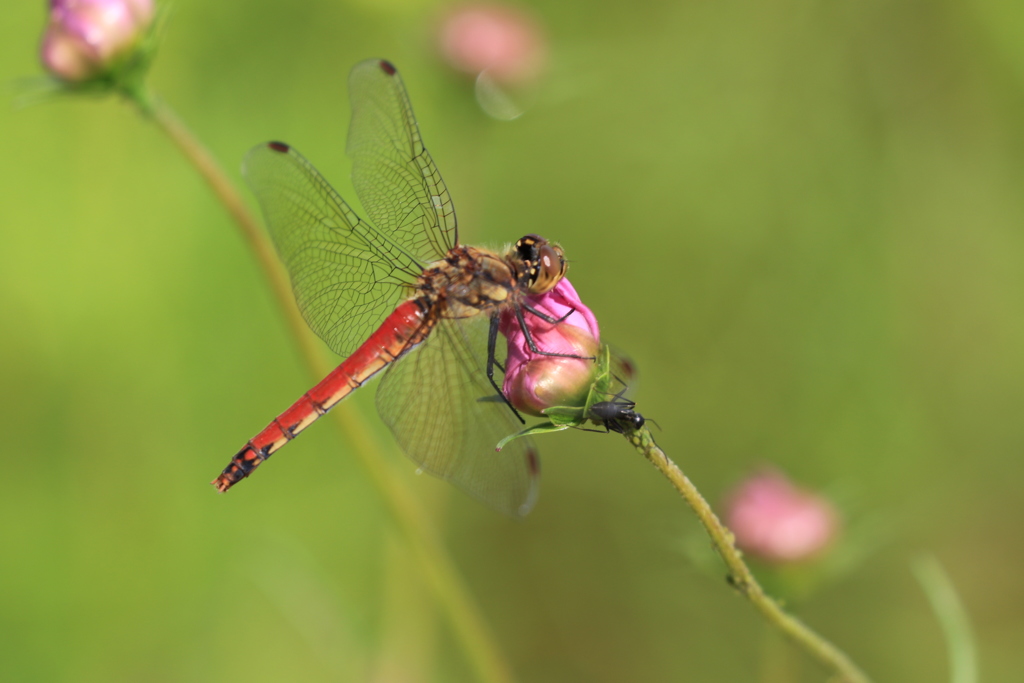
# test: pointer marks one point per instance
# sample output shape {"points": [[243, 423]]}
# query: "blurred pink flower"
{"points": [[778, 522], [85, 37], [535, 381], [499, 39]]}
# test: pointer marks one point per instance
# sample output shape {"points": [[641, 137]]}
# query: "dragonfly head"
{"points": [[544, 263]]}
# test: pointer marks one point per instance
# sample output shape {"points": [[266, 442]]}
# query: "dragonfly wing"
{"points": [[347, 276], [624, 373], [392, 172], [448, 418]]}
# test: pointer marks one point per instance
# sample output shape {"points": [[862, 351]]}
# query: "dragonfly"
{"points": [[400, 292]]}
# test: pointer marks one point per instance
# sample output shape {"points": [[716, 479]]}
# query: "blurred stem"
{"points": [[451, 592], [740, 576], [161, 114], [405, 648], [963, 658]]}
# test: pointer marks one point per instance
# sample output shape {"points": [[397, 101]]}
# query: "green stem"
{"points": [[252, 230], [963, 656], [740, 575], [466, 619]]}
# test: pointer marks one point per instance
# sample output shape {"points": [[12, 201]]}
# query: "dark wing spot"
{"points": [[533, 462], [388, 67], [279, 147]]}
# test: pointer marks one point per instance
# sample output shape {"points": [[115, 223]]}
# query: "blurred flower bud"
{"points": [[498, 39], [85, 39], [778, 522], [534, 381]]}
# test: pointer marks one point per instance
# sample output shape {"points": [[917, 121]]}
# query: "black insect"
{"points": [[617, 415]]}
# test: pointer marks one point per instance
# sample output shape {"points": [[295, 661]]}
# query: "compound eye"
{"points": [[526, 247], [550, 267]]}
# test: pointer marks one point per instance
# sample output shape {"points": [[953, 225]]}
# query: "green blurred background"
{"points": [[802, 220]]}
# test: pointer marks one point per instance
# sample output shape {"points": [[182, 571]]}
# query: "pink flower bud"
{"points": [[534, 381], [778, 522], [84, 38], [498, 39]]}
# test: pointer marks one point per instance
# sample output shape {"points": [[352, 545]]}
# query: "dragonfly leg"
{"points": [[529, 337], [492, 343], [547, 318]]}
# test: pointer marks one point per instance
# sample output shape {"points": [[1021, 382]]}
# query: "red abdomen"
{"points": [[407, 326]]}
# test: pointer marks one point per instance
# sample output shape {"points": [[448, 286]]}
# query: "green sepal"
{"points": [[570, 416], [542, 428]]}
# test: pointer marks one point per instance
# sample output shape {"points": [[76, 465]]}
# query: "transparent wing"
{"points": [[393, 174], [624, 374], [446, 416], [347, 276]]}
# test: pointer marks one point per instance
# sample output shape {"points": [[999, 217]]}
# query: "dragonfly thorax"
{"points": [[470, 280]]}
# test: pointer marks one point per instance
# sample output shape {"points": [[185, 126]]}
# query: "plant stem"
{"points": [[740, 576], [963, 656], [449, 589]]}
